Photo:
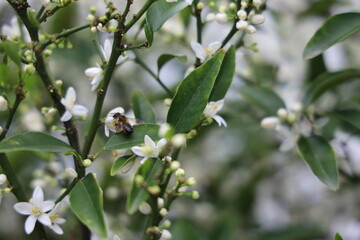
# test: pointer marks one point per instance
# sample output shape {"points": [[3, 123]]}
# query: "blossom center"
{"points": [[36, 210], [54, 217], [147, 150], [208, 50]]}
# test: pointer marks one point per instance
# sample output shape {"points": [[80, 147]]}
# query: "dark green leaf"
{"points": [[193, 94], [34, 141], [225, 76], [33, 19], [149, 171], [350, 116], [335, 29], [320, 157], [338, 237], [142, 108], [161, 11], [86, 201], [164, 58], [4, 73], [120, 141], [11, 49], [264, 98], [149, 34], [120, 164], [327, 81]]}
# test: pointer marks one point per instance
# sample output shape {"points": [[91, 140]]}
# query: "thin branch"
{"points": [[51, 12]]}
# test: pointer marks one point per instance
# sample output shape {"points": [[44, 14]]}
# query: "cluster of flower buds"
{"points": [[4, 181], [247, 19]]}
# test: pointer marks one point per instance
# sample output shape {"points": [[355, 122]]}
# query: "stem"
{"points": [[41, 11], [156, 77], [67, 191], [138, 15], [137, 46], [51, 12], [233, 30]]}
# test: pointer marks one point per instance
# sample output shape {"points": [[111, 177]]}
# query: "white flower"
{"points": [[12, 30], [257, 3], [56, 219], [150, 149], [203, 53], [36, 209], [212, 108], [221, 18], [45, 2], [270, 122], [71, 107], [109, 120], [257, 19], [95, 75], [242, 25], [165, 235], [242, 14], [3, 179], [107, 49], [32, 120], [3, 104], [250, 29], [210, 17]]}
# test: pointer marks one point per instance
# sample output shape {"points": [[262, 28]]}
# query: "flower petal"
{"points": [[214, 46], [93, 71], [199, 50], [138, 151], [149, 142], [59, 221], [47, 205], [30, 224], [107, 132], [79, 110], [161, 143], [107, 49], [66, 116], [57, 229], [44, 219], [143, 160], [115, 110], [219, 120], [70, 95], [38, 195], [23, 208]]}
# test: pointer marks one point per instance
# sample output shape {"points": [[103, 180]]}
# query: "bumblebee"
{"points": [[124, 124]]}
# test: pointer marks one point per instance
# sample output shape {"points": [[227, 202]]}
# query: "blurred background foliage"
{"points": [[248, 188]]}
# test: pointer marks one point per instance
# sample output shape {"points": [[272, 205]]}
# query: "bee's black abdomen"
{"points": [[127, 129]]}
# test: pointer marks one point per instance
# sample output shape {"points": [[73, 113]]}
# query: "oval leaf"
{"points": [[149, 34], [328, 81], [335, 29], [34, 141], [160, 11], [264, 98], [164, 58], [120, 164], [86, 201], [193, 94], [338, 237], [350, 116], [225, 76], [320, 158], [120, 141], [149, 171], [142, 108], [11, 49]]}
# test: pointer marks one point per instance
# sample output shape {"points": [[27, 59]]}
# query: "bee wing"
{"points": [[134, 121], [118, 127]]}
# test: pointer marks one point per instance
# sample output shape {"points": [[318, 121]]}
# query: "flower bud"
{"points": [[166, 224], [90, 17], [87, 163], [191, 181], [93, 10], [163, 212], [222, 9], [112, 28], [164, 130], [154, 190], [192, 133], [195, 195], [210, 17], [269, 122], [297, 107], [257, 19], [165, 234], [250, 29], [282, 113], [244, 4], [291, 118], [8, 190], [93, 29], [257, 3], [45, 2], [241, 14], [242, 25], [47, 52], [145, 208], [167, 102], [221, 18], [3, 179], [70, 173], [160, 202], [3, 104], [180, 173], [30, 68], [178, 140], [175, 165], [139, 180], [232, 6], [200, 6]]}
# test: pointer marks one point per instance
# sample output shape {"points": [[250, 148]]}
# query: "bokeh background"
{"points": [[250, 190]]}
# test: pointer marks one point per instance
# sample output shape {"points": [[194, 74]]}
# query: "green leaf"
{"points": [[327, 81], [193, 94], [33, 19], [149, 171], [335, 29], [142, 108], [338, 237], [120, 141], [4, 73], [164, 58], [120, 164], [160, 11], [149, 34], [350, 116], [35, 141], [264, 98], [11, 49], [225, 76], [320, 157], [86, 201]]}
